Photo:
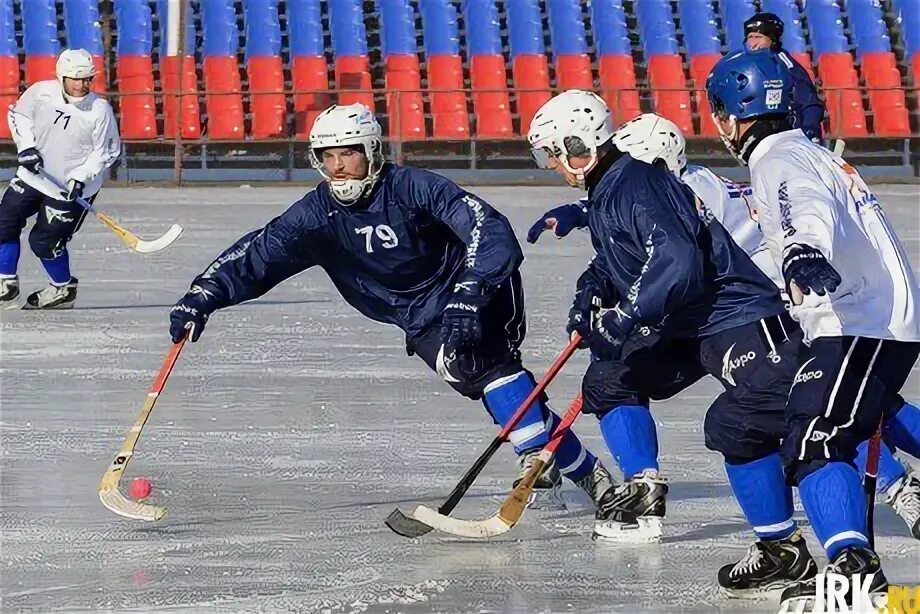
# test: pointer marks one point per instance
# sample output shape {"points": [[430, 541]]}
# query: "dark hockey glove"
{"points": [[610, 331], [74, 190], [30, 159], [461, 326], [807, 270], [589, 296], [561, 220], [190, 314]]}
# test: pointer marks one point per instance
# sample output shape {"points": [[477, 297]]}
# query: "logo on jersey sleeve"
{"points": [[785, 210]]}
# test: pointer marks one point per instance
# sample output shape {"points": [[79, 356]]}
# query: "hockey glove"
{"points": [[461, 326], [30, 159], [806, 269], [561, 220], [610, 331], [74, 190], [190, 314], [589, 296]]}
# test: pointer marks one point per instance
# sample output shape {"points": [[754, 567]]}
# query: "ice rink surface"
{"points": [[290, 431]]}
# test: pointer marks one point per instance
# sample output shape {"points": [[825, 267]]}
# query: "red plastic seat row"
{"points": [[491, 103], [449, 116], [618, 87], [9, 90], [886, 98], [669, 90], [700, 67], [842, 93]]}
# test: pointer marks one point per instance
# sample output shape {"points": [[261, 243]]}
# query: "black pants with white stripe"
{"points": [[57, 221], [843, 388], [497, 355]]}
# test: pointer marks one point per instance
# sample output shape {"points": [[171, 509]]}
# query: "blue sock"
{"points": [[9, 258], [904, 429], [766, 500], [890, 469], [630, 434], [503, 397], [833, 499], [572, 457], [58, 268]]}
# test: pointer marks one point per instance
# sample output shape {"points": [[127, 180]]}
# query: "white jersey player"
{"points": [[65, 136], [854, 294]]}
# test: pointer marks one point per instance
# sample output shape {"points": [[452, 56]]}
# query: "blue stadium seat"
{"points": [[614, 57], [734, 14], [788, 11]]}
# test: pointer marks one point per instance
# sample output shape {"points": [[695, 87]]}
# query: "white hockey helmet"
{"points": [[651, 137], [74, 64], [574, 123], [347, 126]]}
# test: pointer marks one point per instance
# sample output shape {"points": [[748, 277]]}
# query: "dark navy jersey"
{"points": [[682, 276], [807, 108], [394, 256]]}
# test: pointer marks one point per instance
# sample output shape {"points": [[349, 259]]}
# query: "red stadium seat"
{"points": [[40, 68], [844, 98], [100, 82], [223, 100], [405, 106], [190, 121], [618, 87], [310, 77], [490, 97], [573, 72], [353, 73], [449, 116], [886, 98], [669, 90], [805, 60], [700, 67], [266, 97], [531, 82], [9, 90], [137, 107]]}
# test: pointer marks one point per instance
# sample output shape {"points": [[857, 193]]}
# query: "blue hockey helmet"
{"points": [[749, 84]]}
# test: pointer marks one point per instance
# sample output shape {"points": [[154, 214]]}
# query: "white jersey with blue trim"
{"points": [[731, 204], [804, 194]]}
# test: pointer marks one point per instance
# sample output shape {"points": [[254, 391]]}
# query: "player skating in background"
{"points": [[406, 247], [853, 292], [679, 300], [650, 138], [63, 129]]}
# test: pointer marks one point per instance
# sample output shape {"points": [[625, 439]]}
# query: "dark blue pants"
{"points": [[56, 224], [843, 388], [497, 355]]}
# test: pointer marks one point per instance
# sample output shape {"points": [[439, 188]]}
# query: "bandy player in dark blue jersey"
{"points": [[406, 247]]}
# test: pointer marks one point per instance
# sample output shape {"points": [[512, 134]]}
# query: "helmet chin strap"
{"points": [[580, 173]]}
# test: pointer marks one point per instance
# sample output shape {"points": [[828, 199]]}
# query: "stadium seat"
{"points": [[81, 19], [309, 69], [9, 66], [174, 73], [40, 39], [734, 13], [570, 47], [220, 68], [529, 67], [664, 65], [700, 67], [349, 44], [405, 107], [615, 63], [844, 98], [267, 103], [804, 60], [886, 98], [134, 67], [793, 36], [449, 116], [488, 75]]}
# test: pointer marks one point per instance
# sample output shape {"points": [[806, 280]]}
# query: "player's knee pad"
{"points": [[602, 388], [45, 245], [503, 397]]}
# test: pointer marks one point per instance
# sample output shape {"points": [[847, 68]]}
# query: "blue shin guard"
{"points": [[903, 430], [890, 469], [834, 501], [9, 258], [503, 397], [58, 269], [630, 434], [766, 500], [572, 457]]}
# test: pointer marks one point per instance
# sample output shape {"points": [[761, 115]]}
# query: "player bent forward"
{"points": [[406, 247]]}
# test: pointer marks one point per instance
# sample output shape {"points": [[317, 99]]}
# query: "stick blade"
{"points": [[476, 529], [403, 525], [168, 238], [116, 502]]}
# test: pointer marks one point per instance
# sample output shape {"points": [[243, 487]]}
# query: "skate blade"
{"points": [[646, 529], [807, 604], [762, 593], [28, 307], [9, 305], [546, 499]]}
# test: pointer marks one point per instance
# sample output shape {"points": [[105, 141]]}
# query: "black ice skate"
{"points": [[633, 512], [769, 565], [852, 561], [598, 484], [904, 498], [54, 297], [9, 291], [546, 488]]}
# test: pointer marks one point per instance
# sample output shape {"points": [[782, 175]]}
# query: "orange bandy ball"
{"points": [[140, 488]]}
